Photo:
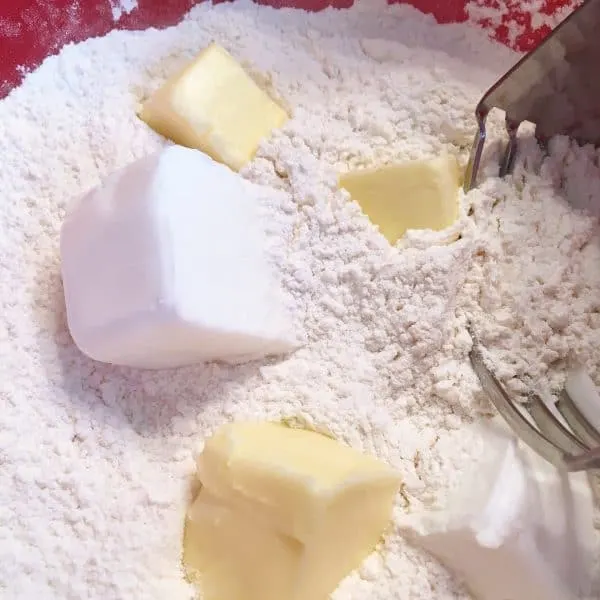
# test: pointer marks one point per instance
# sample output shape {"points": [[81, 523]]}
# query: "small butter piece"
{"points": [[420, 194], [283, 513], [215, 106], [517, 530]]}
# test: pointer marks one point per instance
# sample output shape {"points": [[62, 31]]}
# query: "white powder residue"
{"points": [[520, 17], [96, 461], [122, 7], [10, 28]]}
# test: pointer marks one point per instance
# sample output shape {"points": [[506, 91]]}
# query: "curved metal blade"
{"points": [[555, 86], [586, 461], [510, 413], [582, 428], [551, 428]]}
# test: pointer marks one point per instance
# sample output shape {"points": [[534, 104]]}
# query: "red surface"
{"points": [[30, 30]]}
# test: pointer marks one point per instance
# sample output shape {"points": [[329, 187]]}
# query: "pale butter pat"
{"points": [[283, 513], [517, 530], [215, 106], [164, 265], [419, 194]]}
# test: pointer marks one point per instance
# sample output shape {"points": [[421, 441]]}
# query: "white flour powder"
{"points": [[121, 7], [95, 461]]}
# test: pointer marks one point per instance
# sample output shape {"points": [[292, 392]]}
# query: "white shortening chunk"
{"points": [[164, 265], [517, 530]]}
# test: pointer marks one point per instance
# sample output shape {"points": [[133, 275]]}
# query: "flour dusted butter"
{"points": [[215, 106], [283, 514], [419, 194]]}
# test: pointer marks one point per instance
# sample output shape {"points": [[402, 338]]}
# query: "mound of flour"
{"points": [[95, 461]]}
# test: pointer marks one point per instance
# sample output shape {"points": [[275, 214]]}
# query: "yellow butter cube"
{"points": [[213, 105], [283, 514], [419, 194]]}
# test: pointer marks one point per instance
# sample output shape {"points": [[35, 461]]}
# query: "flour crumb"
{"points": [[97, 460], [122, 7]]}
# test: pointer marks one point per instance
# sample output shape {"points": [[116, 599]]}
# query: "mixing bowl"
{"points": [[30, 30], [85, 439]]}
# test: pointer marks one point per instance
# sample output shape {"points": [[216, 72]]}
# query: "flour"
{"points": [[96, 461], [122, 7]]}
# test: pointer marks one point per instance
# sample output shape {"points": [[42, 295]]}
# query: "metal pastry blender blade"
{"points": [[574, 447], [556, 87]]}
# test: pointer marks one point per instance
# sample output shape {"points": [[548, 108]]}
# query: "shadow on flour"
{"points": [[152, 403], [582, 194]]}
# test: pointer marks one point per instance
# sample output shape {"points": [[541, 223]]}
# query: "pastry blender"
{"points": [[572, 446], [556, 87]]}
